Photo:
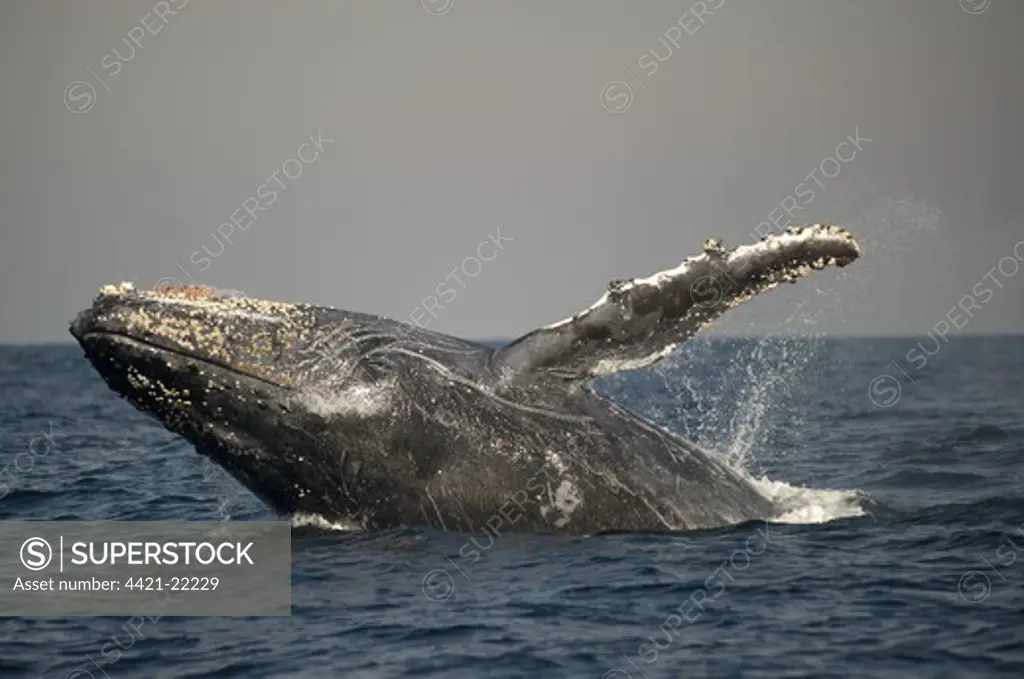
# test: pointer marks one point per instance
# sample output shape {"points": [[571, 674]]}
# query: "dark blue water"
{"points": [[897, 557]]}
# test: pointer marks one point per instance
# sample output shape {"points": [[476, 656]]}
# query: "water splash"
{"points": [[810, 505], [302, 520], [758, 382], [228, 491], [772, 381]]}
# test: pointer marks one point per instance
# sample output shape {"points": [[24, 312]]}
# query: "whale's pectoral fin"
{"points": [[638, 322]]}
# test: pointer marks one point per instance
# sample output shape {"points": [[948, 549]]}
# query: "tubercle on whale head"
{"points": [[244, 335], [286, 344], [249, 382]]}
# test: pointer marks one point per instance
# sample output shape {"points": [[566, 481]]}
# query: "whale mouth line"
{"points": [[125, 338]]}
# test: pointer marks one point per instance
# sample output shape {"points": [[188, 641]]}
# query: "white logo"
{"points": [[884, 391], [36, 554], [437, 7], [616, 97], [438, 585], [77, 92], [975, 6]]}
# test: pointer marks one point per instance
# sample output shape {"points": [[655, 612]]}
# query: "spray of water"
{"points": [[227, 490], [320, 523], [731, 409]]}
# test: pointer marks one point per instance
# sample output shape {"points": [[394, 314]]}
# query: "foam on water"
{"points": [[768, 383], [796, 504], [302, 520], [810, 505]]}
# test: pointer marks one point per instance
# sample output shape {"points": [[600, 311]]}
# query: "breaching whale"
{"points": [[361, 419]]}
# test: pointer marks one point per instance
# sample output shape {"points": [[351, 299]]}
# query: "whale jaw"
{"points": [[235, 378]]}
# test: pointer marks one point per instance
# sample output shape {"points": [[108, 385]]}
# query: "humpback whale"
{"points": [[361, 419]]}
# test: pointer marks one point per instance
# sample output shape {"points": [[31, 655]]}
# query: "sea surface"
{"points": [[898, 551]]}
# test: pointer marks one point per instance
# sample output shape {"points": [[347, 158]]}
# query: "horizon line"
{"points": [[489, 341]]}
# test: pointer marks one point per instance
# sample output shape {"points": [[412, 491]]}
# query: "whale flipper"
{"points": [[638, 322]]}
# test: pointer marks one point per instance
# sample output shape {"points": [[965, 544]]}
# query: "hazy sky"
{"points": [[443, 122]]}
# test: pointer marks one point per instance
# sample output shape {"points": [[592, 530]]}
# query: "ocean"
{"points": [[898, 465]]}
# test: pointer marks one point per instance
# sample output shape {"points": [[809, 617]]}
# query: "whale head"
{"points": [[251, 384]]}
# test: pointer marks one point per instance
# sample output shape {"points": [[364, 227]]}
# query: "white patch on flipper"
{"points": [[820, 232], [655, 279], [609, 365], [793, 236]]}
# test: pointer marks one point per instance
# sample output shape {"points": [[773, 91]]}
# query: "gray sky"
{"points": [[451, 120]]}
